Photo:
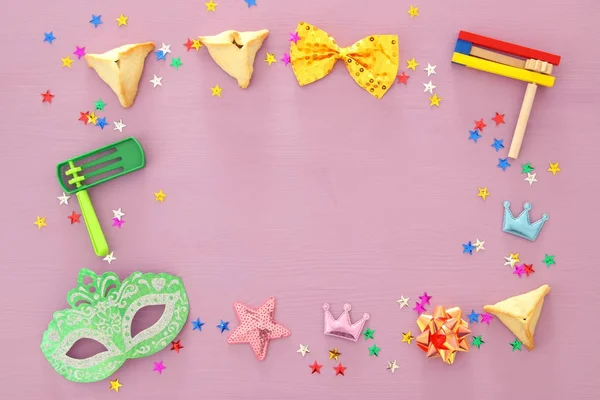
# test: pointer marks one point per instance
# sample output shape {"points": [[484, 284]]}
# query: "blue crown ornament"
{"points": [[521, 226]]}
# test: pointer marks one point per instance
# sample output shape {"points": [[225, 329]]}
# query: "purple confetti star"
{"points": [[118, 222], [425, 299], [79, 52], [158, 366], [519, 270], [286, 59], [294, 37], [486, 317], [419, 308]]}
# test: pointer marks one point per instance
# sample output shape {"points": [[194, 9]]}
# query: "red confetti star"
{"points": [[498, 119], [315, 368], [339, 369], [188, 44], [529, 269], [176, 346], [403, 78], [74, 217], [83, 117], [47, 97], [480, 125]]}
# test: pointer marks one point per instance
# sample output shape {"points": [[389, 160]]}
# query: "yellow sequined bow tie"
{"points": [[372, 61]]}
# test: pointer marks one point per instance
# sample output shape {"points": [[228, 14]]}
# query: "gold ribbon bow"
{"points": [[372, 62]]}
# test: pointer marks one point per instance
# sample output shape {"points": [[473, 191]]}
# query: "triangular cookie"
{"points": [[520, 313], [234, 52], [121, 69]]}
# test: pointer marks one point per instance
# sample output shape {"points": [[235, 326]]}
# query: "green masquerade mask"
{"points": [[103, 310]]}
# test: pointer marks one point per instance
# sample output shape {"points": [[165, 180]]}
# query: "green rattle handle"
{"points": [[92, 224]]}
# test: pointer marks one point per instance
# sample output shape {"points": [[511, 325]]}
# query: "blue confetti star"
{"points": [[473, 317], [102, 122], [503, 163], [498, 144], [474, 135], [49, 37], [197, 324], [160, 55], [223, 326], [468, 248], [96, 20], [250, 3]]}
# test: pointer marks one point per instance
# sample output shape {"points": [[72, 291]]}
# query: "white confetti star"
{"points": [[392, 366], [403, 301], [156, 81], [119, 125], [531, 178], [110, 257], [430, 69], [118, 214], [429, 87], [165, 48], [303, 349], [510, 261], [479, 245], [64, 199]]}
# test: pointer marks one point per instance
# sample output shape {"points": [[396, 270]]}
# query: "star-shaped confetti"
{"points": [[119, 125], [176, 63], [122, 20], [480, 125], [294, 37], [96, 20], [486, 318], [531, 178], [516, 345], [40, 222], [515, 256], [369, 334], [49, 37], [479, 245], [74, 217], [156, 81], [159, 367], [430, 69], [403, 302], [528, 269], [425, 299], [374, 350], [510, 261], [118, 222], [286, 59], [554, 168], [498, 119], [84, 117], [250, 3], [548, 260], [216, 91], [412, 64], [270, 58], [403, 78], [67, 61], [64, 199], [79, 52], [429, 87], [392, 366], [413, 11], [115, 385], [197, 324], [101, 122], [477, 342], [334, 354], [47, 97], [165, 48], [118, 214], [92, 118], [503, 163], [176, 346], [474, 135], [419, 308], [519, 270], [110, 257], [468, 248], [498, 144], [407, 337], [526, 168], [196, 44], [483, 193], [188, 44], [160, 55], [473, 317], [303, 350], [339, 369], [160, 196], [434, 101], [315, 368], [223, 326], [211, 6]]}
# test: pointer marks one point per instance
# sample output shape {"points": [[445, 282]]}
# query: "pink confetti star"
{"points": [[425, 299], [419, 308], [286, 59], [486, 317], [118, 222], [519, 270], [294, 37], [79, 52], [159, 367]]}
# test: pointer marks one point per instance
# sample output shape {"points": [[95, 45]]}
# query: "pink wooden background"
{"points": [[310, 194]]}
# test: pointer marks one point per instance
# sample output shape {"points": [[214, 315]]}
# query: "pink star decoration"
{"points": [[118, 222], [79, 52], [419, 308], [158, 366], [294, 37], [486, 317], [519, 270], [257, 327], [425, 299], [286, 59]]}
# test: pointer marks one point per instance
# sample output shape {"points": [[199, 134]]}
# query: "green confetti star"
{"points": [[526, 168], [369, 334], [99, 105], [516, 345], [549, 260], [176, 62], [477, 342], [374, 350]]}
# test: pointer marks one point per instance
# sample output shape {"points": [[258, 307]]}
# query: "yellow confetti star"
{"points": [[216, 91], [67, 61], [40, 221], [334, 354], [554, 168], [160, 196], [92, 118], [122, 20], [515, 257], [412, 64], [413, 11], [407, 337], [211, 6], [115, 385], [483, 193], [434, 101], [196, 44], [270, 58]]}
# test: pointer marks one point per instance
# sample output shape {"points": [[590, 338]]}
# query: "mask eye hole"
{"points": [[85, 348], [146, 317]]}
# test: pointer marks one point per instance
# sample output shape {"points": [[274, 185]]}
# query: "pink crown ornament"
{"points": [[343, 326]]}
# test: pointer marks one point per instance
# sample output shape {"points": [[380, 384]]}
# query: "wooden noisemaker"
{"points": [[510, 60]]}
